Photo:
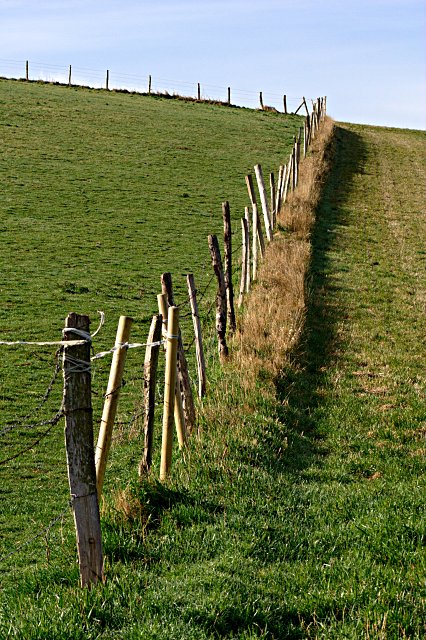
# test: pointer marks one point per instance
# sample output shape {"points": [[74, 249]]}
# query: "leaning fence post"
{"points": [[220, 297], [149, 386], [263, 200], [169, 392], [77, 408], [183, 374], [199, 350], [227, 236], [163, 307], [111, 400]]}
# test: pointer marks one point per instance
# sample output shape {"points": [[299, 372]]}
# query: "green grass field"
{"points": [[296, 516]]}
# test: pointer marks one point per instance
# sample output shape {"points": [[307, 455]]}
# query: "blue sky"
{"points": [[367, 56]]}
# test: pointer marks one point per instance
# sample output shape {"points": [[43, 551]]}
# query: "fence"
{"points": [[148, 84], [86, 463]]}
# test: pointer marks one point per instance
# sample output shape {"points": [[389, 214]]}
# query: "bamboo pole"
{"points": [[264, 201], [179, 416], [227, 237], [199, 350], [111, 400], [169, 392], [77, 408], [149, 386], [244, 230], [252, 196], [272, 207], [183, 375], [248, 274], [220, 297]]}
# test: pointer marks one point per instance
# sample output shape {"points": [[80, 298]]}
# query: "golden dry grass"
{"points": [[272, 321]]}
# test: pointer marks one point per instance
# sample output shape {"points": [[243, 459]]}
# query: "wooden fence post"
{"points": [[261, 100], [199, 351], [199, 91], [107, 80], [243, 284], [77, 407], [149, 385], [220, 297], [252, 196], [294, 164], [306, 106], [69, 77], [27, 74], [287, 181], [111, 400], [169, 392], [149, 84], [248, 274], [255, 234], [229, 95], [279, 190], [285, 104], [264, 201], [227, 237], [183, 375]]}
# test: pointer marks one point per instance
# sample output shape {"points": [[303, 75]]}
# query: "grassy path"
{"points": [[323, 538]]}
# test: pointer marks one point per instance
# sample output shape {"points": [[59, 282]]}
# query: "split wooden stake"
{"points": [[77, 407], [111, 400], [169, 392], [149, 387]]}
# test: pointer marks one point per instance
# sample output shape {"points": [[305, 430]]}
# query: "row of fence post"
{"points": [[87, 465]]}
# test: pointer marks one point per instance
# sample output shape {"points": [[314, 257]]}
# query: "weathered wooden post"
{"points": [[77, 408], [285, 104], [69, 77], [149, 386], [261, 100], [183, 375], [287, 181], [227, 236], [199, 350], [264, 201], [294, 164], [27, 74], [169, 392], [306, 106], [107, 80], [229, 95], [199, 92], [149, 84], [279, 190], [255, 223], [220, 297], [111, 400], [272, 208]]}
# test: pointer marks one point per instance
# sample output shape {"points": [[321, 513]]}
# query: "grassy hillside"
{"points": [[299, 512]]}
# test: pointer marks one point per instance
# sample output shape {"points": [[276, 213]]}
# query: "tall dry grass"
{"points": [[274, 316]]}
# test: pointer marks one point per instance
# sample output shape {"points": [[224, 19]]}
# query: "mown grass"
{"points": [[299, 511]]}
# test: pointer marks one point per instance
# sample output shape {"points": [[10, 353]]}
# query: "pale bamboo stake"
{"points": [[252, 196], [273, 210], [220, 297], [227, 237], [149, 386], [254, 242], [111, 400], [178, 407], [264, 201], [244, 230], [248, 274], [77, 408], [199, 350], [169, 392]]}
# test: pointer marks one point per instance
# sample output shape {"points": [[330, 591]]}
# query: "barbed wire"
{"points": [[40, 534], [52, 422]]}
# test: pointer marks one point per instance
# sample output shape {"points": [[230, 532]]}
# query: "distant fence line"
{"points": [[87, 462], [148, 84]]}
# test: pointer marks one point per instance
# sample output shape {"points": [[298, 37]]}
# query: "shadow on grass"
{"points": [[301, 388]]}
